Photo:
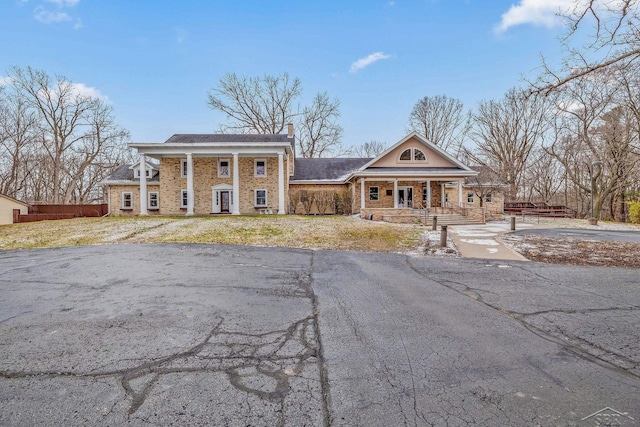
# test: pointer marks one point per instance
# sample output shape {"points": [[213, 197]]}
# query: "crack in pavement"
{"points": [[261, 364], [575, 349]]}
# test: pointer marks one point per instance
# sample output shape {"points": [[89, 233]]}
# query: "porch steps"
{"points": [[443, 219], [449, 219]]}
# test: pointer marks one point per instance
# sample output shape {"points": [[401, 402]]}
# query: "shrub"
{"points": [[634, 212]]}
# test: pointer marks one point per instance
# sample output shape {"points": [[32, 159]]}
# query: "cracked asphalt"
{"points": [[237, 336]]}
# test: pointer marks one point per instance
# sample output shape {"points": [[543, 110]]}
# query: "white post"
{"points": [[281, 183], [361, 193], [428, 194], [236, 185], [143, 185], [442, 194], [395, 193], [460, 193], [190, 194]]}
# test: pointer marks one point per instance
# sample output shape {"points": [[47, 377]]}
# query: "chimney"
{"points": [[289, 130]]}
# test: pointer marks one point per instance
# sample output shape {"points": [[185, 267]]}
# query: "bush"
{"points": [[634, 212]]}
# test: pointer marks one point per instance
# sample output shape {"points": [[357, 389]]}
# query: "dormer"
{"points": [[152, 170]]}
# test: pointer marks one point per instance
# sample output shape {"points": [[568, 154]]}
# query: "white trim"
{"points": [[378, 192], [236, 186], [429, 145], [362, 193], [143, 185], [183, 168], [190, 197], [396, 201], [122, 206], [184, 205], [281, 186], [255, 168], [255, 197], [157, 207], [228, 168]]}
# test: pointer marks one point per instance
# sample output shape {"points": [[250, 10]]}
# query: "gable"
{"points": [[433, 158]]}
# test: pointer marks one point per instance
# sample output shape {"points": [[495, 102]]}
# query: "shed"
{"points": [[7, 205]]}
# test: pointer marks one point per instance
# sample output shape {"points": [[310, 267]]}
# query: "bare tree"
{"points": [[441, 120], [506, 132], [369, 149], [614, 31], [17, 138], [256, 104], [66, 141], [485, 183], [319, 132], [267, 104]]}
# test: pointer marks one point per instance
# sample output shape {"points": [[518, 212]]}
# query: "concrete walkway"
{"points": [[479, 241]]}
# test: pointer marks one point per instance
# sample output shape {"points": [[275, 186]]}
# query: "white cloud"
{"points": [[47, 17], [64, 3], [85, 90], [6, 80], [78, 24], [368, 60], [536, 12]]}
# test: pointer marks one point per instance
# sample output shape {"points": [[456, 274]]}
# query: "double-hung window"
{"points": [[184, 198], [127, 200], [184, 166], [488, 198], [261, 197], [223, 168], [469, 197], [260, 168], [153, 200], [373, 194]]}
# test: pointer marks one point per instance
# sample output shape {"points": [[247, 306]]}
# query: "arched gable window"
{"points": [[413, 154], [406, 154]]}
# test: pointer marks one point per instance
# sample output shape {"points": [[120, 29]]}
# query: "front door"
{"points": [[405, 197], [224, 196]]}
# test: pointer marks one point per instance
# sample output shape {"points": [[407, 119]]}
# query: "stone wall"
{"points": [[115, 199]]}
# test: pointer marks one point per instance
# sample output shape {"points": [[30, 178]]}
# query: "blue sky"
{"points": [[156, 60]]}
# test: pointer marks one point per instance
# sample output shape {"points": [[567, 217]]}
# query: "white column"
{"points": [[190, 194], [236, 185], [442, 195], [361, 193], [143, 185], [281, 183], [395, 193], [460, 193], [428, 194]]}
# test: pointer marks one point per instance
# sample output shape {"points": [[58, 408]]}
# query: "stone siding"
{"points": [[115, 199]]}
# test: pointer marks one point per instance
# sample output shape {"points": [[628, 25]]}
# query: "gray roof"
{"points": [[124, 173], [326, 169], [190, 138], [486, 176], [414, 169]]}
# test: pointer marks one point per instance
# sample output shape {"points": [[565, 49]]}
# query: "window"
{"points": [[261, 197], [446, 197], [153, 200], [260, 167], [414, 154], [223, 168], [148, 173], [373, 194], [127, 200], [183, 168], [389, 192], [184, 198], [424, 193], [488, 198], [469, 197]]}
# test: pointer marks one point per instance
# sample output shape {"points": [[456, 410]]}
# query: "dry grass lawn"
{"points": [[328, 232]]}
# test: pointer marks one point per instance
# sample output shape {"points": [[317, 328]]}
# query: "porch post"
{"points": [[460, 193], [395, 193], [281, 183], [428, 193], [190, 194], [361, 193], [143, 185], [442, 194], [236, 185]]}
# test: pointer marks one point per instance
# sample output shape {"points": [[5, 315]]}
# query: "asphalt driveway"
{"points": [[585, 234], [231, 335]]}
